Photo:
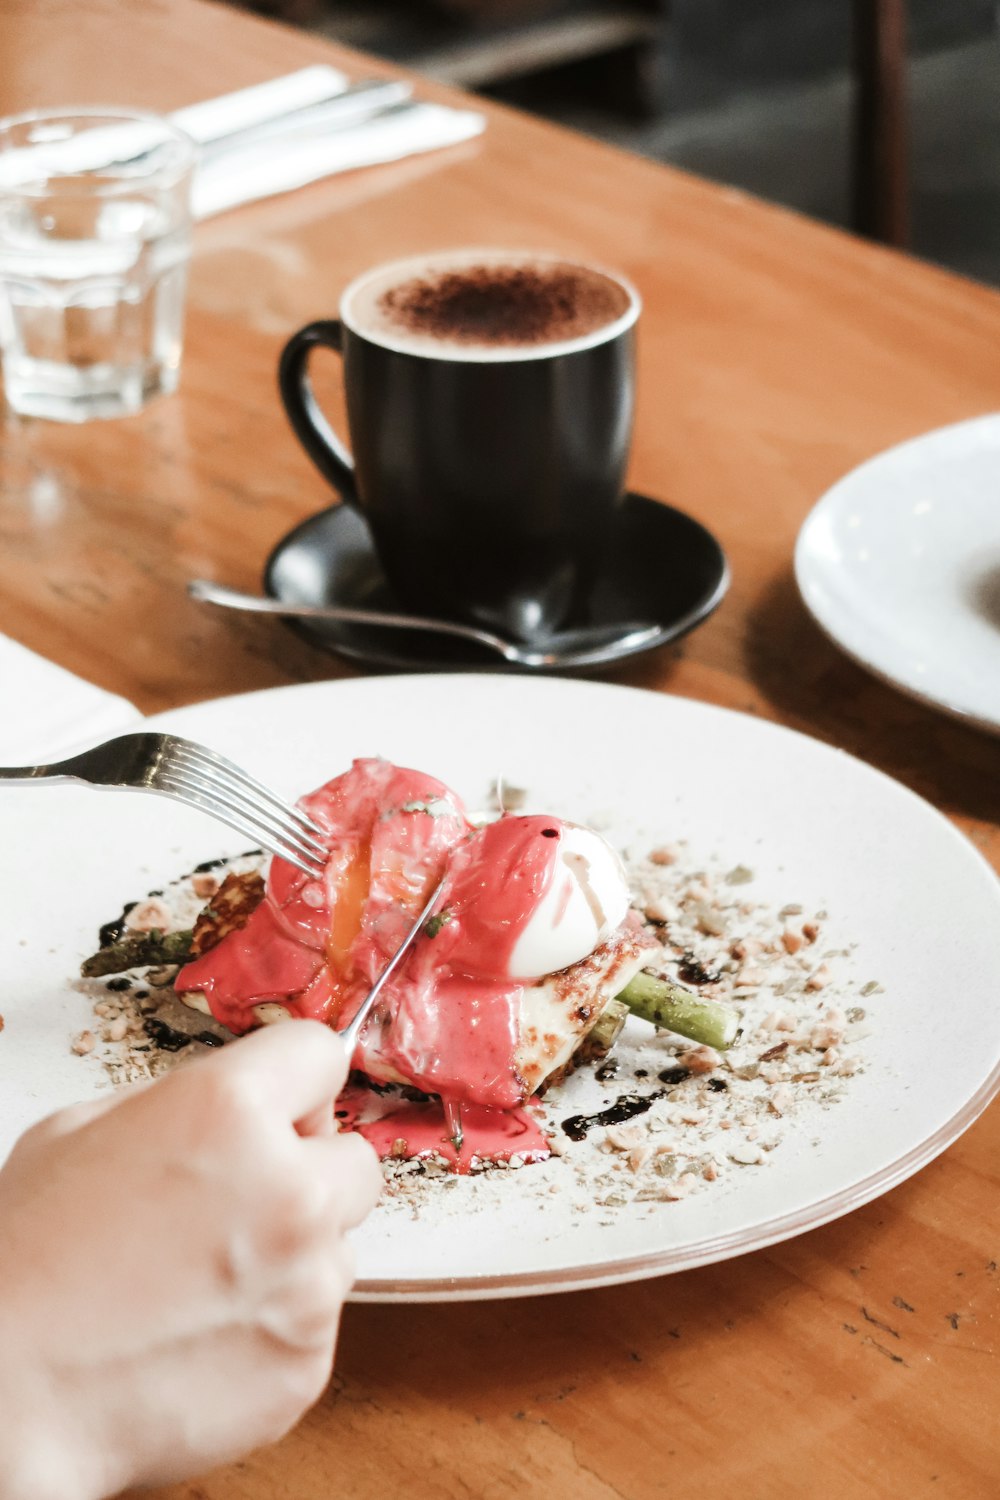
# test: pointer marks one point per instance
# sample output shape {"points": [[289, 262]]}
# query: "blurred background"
{"points": [[881, 115]]}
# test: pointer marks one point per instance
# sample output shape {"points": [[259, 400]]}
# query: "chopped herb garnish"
{"points": [[434, 924]]}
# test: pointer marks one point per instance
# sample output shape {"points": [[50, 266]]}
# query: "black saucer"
{"points": [[663, 567]]}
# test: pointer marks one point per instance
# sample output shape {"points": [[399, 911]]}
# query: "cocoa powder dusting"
{"points": [[505, 305]]}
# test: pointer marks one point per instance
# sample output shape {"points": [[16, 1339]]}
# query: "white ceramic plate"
{"points": [[900, 564], [818, 828]]}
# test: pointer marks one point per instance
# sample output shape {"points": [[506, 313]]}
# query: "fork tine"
{"points": [[213, 784], [200, 793], [228, 768], [214, 794], [147, 761], [205, 804], [211, 765]]}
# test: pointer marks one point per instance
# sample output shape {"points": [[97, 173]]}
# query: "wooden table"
{"points": [[856, 1361]]}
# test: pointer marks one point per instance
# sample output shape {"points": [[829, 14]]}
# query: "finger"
{"points": [[319, 1121], [304, 1312], [75, 1116], [294, 1069], [350, 1167]]}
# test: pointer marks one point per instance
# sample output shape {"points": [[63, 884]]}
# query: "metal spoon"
{"points": [[585, 647]]}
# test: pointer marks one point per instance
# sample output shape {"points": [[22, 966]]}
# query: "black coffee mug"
{"points": [[488, 467]]}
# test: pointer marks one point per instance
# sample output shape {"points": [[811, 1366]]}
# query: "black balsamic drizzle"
{"points": [[624, 1108], [691, 971], [674, 1075], [166, 1037], [114, 931], [169, 1039]]}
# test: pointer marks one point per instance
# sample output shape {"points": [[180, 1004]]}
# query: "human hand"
{"points": [[172, 1268]]}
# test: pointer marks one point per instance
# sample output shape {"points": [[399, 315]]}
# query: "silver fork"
{"points": [[188, 772]]}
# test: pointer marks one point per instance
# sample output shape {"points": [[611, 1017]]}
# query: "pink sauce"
{"points": [[418, 1130], [448, 1022], [454, 1024]]}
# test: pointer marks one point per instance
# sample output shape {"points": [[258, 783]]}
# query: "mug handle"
{"points": [[331, 456]]}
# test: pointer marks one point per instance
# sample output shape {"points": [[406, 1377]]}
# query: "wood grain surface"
{"points": [[856, 1361]]}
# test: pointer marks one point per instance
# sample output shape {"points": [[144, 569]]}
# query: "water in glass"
{"points": [[93, 267]]}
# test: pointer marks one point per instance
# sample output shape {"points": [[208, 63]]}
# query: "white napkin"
{"points": [[214, 118], [46, 712], [261, 169], [239, 170]]}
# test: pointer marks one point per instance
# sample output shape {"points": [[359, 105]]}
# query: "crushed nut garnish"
{"points": [[704, 1114]]}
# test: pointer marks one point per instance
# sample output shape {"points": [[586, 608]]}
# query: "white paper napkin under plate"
{"points": [[47, 712]]}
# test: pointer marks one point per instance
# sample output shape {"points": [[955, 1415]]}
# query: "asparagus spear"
{"points": [[605, 1032], [143, 948], [713, 1023], [665, 1004]]}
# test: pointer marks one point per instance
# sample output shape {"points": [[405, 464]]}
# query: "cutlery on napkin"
{"points": [[263, 167], [350, 104], [271, 137], [229, 114]]}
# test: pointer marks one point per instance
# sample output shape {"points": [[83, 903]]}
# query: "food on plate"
{"points": [[662, 1114], [531, 941], [532, 952], [528, 944], [136, 951]]}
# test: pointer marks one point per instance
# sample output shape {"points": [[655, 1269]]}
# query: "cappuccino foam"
{"points": [[488, 307]]}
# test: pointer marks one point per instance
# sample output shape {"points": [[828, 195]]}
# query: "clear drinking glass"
{"points": [[95, 237]]}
